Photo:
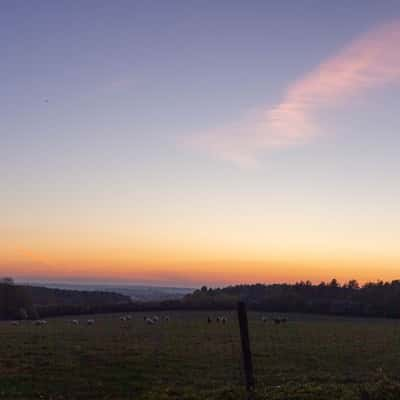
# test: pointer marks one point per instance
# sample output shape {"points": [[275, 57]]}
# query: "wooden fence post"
{"points": [[246, 352]]}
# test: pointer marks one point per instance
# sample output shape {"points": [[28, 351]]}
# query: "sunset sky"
{"points": [[190, 142]]}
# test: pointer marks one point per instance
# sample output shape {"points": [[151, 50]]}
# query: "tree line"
{"points": [[374, 299], [371, 299]]}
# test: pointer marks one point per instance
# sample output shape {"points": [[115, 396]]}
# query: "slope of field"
{"points": [[187, 358]]}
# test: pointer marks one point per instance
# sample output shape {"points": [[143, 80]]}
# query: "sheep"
{"points": [[155, 318], [75, 322], [209, 319], [149, 321], [264, 319], [166, 318], [90, 321], [129, 317], [15, 323], [224, 320], [122, 319], [40, 322], [218, 319]]}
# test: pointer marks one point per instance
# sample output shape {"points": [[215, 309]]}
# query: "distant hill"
{"points": [[23, 301], [43, 296], [137, 293]]}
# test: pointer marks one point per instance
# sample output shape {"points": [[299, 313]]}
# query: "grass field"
{"points": [[186, 358]]}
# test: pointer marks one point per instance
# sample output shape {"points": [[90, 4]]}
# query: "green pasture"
{"points": [[309, 357]]}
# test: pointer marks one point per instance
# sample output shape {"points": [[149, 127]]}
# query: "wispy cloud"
{"points": [[370, 61]]}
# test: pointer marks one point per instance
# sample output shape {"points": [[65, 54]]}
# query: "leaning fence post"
{"points": [[246, 352]]}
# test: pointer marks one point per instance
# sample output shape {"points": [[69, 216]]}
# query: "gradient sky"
{"points": [[190, 142]]}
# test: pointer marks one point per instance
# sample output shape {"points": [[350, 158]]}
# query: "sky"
{"points": [[199, 142]]}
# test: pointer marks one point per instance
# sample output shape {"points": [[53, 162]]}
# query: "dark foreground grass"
{"points": [[186, 358]]}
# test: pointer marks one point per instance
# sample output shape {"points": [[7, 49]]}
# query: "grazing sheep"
{"points": [[15, 323], [224, 320], [218, 319], [166, 318], [129, 317], [149, 321], [155, 318], [90, 321], [40, 322], [122, 318], [75, 322]]}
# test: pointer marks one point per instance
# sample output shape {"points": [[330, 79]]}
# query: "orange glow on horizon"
{"points": [[196, 272], [225, 251]]}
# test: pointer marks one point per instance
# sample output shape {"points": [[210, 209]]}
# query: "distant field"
{"points": [[186, 358]]}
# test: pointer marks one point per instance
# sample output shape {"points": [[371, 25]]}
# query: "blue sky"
{"points": [[99, 98]]}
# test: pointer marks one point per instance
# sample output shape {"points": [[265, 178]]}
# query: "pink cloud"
{"points": [[369, 62]]}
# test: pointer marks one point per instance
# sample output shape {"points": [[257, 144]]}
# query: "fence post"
{"points": [[246, 352]]}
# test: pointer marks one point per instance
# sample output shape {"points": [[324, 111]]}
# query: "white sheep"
{"points": [[150, 321], [155, 318], [75, 322], [90, 321], [122, 318], [129, 317]]}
